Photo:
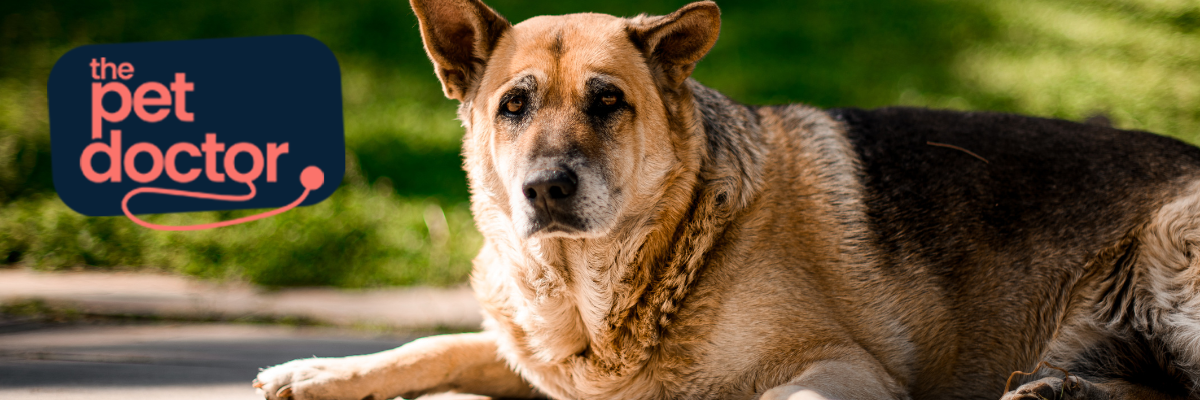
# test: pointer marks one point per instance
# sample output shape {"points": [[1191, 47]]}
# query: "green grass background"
{"points": [[401, 216]]}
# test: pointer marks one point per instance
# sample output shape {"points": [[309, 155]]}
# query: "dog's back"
{"points": [[997, 241], [1009, 218], [941, 184]]}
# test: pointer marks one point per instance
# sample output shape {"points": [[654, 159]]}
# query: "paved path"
{"points": [[168, 361], [195, 361], [123, 293]]}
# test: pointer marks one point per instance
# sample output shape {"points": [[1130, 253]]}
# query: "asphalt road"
{"points": [[161, 361]]}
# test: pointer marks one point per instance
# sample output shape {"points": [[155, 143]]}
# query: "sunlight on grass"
{"points": [[380, 103], [1073, 59], [359, 237], [23, 138]]}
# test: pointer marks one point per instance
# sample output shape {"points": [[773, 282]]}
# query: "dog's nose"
{"points": [[550, 184]]}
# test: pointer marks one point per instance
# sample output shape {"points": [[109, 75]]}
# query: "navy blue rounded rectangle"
{"points": [[273, 103]]}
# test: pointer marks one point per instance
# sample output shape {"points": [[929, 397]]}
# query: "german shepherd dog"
{"points": [[649, 238]]}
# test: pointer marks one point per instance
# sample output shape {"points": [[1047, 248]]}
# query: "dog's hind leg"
{"points": [[836, 379], [465, 363], [1113, 367], [1051, 388]]}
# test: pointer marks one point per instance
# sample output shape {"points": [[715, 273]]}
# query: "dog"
{"points": [[648, 238]]}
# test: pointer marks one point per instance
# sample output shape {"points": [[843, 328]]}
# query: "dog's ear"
{"points": [[674, 43], [459, 36]]}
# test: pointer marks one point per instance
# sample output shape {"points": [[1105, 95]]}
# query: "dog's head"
{"points": [[569, 118]]}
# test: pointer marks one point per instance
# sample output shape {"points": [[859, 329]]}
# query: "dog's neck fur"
{"points": [[603, 304]]}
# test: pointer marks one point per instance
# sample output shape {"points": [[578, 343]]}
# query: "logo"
{"points": [[197, 125]]}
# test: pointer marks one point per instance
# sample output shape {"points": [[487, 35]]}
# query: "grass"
{"points": [[401, 216]]}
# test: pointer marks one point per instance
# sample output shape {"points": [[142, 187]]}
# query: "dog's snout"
{"points": [[550, 184]]}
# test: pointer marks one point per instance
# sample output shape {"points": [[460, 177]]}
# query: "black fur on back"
{"points": [[1002, 211], [1054, 182]]}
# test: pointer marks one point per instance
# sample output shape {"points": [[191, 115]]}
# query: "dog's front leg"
{"points": [[466, 363], [840, 380]]}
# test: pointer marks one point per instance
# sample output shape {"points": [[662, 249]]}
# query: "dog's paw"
{"points": [[1073, 388], [313, 379]]}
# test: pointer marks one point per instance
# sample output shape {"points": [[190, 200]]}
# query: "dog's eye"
{"points": [[514, 105], [605, 103]]}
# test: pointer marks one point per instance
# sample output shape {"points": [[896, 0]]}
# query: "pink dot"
{"points": [[312, 177]]}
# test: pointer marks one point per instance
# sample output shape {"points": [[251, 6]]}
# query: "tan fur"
{"points": [[1170, 286], [725, 253]]}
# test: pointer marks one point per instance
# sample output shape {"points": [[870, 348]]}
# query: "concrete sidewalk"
{"points": [[160, 355], [161, 361], [165, 361], [176, 297]]}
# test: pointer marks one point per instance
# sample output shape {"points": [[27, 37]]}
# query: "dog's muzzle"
{"points": [[552, 194], [550, 187]]}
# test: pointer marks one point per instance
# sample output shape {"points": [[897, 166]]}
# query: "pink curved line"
{"points": [[199, 195]]}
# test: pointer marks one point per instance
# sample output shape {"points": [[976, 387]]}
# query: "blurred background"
{"points": [[401, 217]]}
